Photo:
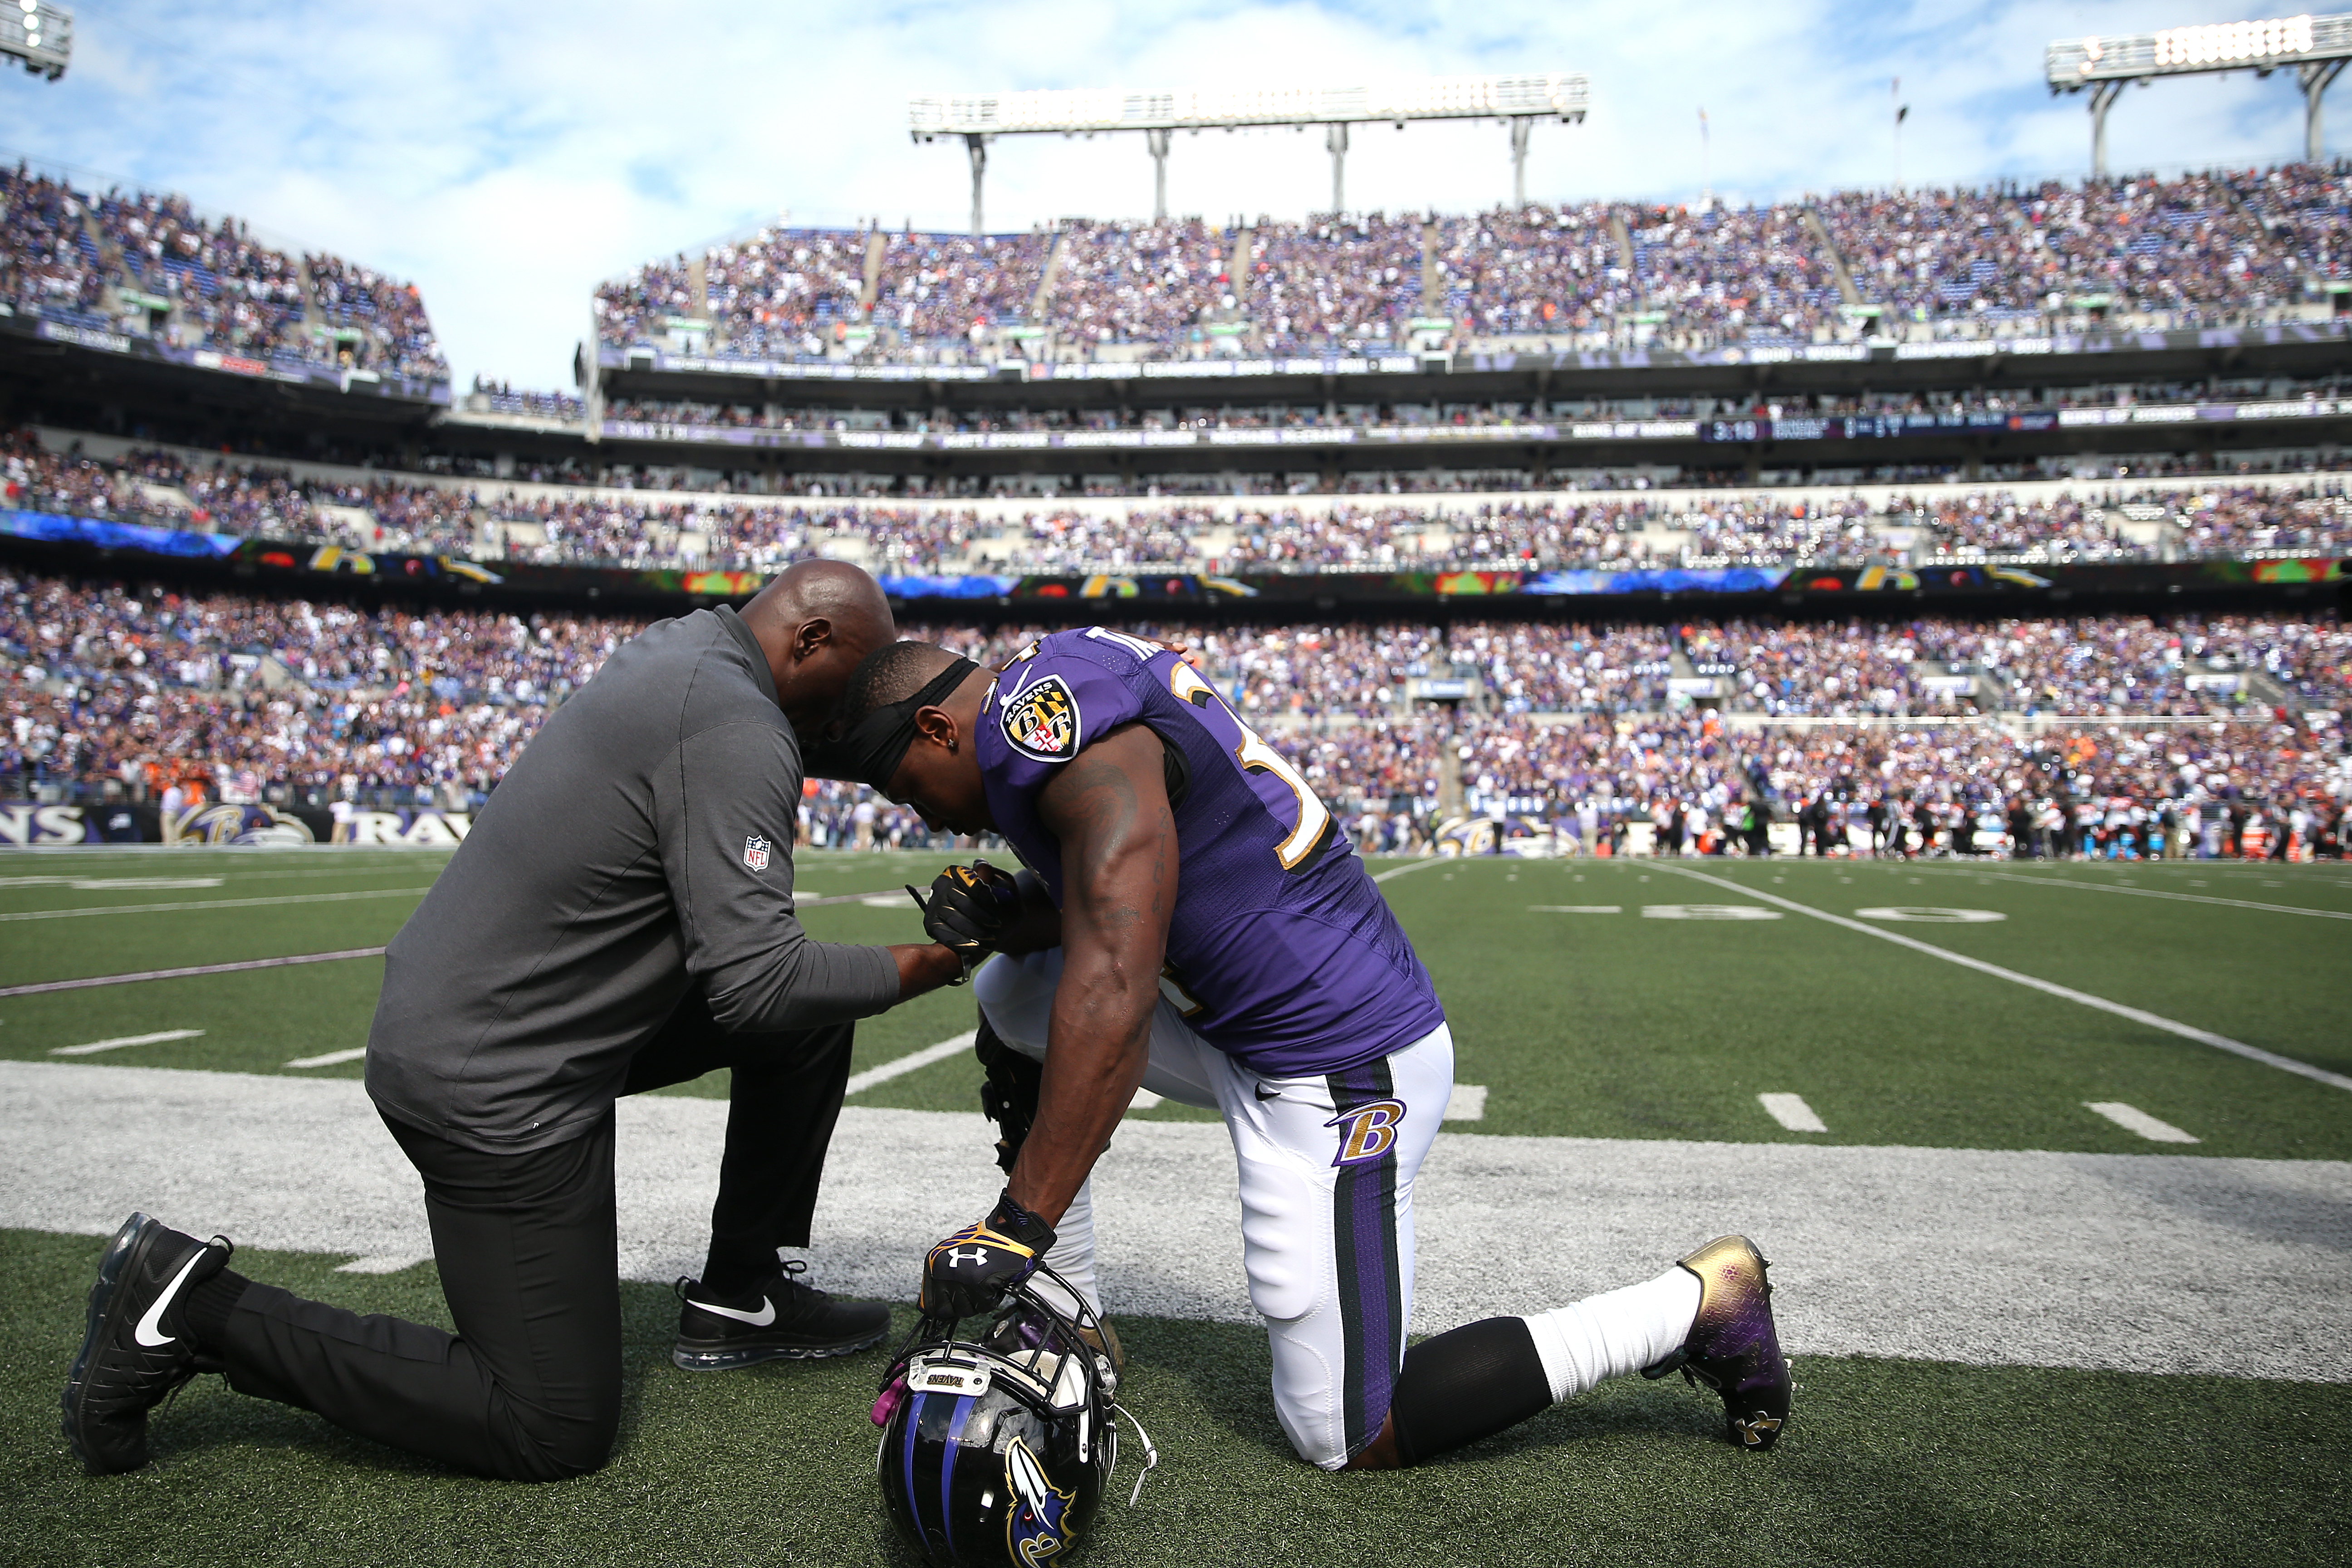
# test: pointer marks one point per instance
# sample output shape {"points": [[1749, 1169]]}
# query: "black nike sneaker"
{"points": [[778, 1320], [136, 1351]]}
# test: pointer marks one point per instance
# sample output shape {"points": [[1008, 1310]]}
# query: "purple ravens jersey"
{"points": [[1281, 953]]}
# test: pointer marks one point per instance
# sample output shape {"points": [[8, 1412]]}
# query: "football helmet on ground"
{"points": [[996, 1450]]}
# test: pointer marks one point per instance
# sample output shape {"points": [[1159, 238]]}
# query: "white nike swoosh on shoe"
{"points": [[148, 1330], [759, 1320]]}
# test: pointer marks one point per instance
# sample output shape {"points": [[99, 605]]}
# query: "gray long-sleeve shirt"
{"points": [[640, 846]]}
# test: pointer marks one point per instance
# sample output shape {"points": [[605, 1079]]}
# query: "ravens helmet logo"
{"points": [[1037, 1530]]}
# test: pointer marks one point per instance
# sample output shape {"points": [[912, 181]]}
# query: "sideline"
{"points": [[2138, 1016], [899, 1067], [39, 986], [2057, 881]]}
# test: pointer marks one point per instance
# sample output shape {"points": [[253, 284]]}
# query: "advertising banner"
{"points": [[423, 830]]}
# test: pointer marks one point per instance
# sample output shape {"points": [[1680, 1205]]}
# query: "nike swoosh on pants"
{"points": [[759, 1320], [149, 1332]]}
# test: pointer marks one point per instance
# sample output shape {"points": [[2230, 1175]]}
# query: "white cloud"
{"points": [[507, 157]]}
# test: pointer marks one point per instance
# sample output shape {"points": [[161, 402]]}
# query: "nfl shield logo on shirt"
{"points": [[755, 853]]}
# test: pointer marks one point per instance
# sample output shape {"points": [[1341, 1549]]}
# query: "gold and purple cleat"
{"points": [[1732, 1347]]}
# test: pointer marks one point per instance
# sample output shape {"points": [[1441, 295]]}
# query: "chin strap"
{"points": [[1151, 1454]]}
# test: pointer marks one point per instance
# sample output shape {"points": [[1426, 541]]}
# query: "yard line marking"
{"points": [[332, 1059], [1144, 1100], [1466, 1103], [103, 884], [1416, 866], [2131, 1119], [1791, 1112], [2136, 1015], [1928, 914], [119, 1041], [36, 987], [1708, 912], [884, 899], [209, 904], [392, 1264], [2159, 893], [901, 1066], [1575, 909]]}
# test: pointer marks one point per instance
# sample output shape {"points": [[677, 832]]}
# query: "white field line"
{"points": [[39, 986], [209, 904], [2131, 1119], [119, 1041], [2136, 1015], [330, 1058], [1791, 1112], [1575, 909], [1416, 866], [2158, 893], [391, 1264], [900, 1066], [1466, 1103]]}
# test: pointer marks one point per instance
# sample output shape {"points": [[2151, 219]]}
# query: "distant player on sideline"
{"points": [[1221, 943], [620, 918]]}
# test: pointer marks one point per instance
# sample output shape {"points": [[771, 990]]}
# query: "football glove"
{"points": [[968, 909], [969, 1273]]}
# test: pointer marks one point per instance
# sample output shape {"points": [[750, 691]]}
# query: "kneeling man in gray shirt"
{"points": [[620, 918]]}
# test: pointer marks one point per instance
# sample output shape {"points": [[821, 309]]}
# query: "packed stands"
{"points": [[131, 684], [149, 264], [228, 496], [2200, 248], [936, 287]]}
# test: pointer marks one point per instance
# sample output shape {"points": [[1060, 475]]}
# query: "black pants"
{"points": [[528, 1388]]}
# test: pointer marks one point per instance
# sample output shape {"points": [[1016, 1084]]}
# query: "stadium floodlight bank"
{"points": [[1519, 100], [2315, 47], [39, 34]]}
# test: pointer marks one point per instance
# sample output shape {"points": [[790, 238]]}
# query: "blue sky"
{"points": [[508, 156]]}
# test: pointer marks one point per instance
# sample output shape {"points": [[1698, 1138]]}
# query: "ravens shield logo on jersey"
{"points": [[1041, 720]]}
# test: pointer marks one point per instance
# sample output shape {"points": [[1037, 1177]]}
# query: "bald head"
{"points": [[815, 622]]}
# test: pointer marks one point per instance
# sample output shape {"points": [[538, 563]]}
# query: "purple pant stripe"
{"points": [[1364, 1247]]}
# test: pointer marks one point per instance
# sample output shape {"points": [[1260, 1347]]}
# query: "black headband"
{"points": [[875, 746]]}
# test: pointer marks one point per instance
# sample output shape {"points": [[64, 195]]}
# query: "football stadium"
{"points": [[1817, 722]]}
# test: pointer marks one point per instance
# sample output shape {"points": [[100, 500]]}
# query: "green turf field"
{"points": [[1587, 1000]]}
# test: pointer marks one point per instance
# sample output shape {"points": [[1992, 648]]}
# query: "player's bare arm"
{"points": [[1110, 810]]}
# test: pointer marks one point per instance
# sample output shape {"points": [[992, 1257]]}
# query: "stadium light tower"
{"points": [[1517, 101], [38, 34], [2315, 46]]}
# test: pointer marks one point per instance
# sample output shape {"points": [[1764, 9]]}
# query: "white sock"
{"points": [[1612, 1334], [1073, 1253]]}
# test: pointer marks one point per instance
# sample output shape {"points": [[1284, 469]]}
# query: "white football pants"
{"points": [[1327, 1166]]}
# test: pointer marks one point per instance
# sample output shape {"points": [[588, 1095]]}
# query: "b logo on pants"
{"points": [[1368, 1132]]}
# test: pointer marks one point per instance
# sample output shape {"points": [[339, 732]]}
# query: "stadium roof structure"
{"points": [[1519, 100], [38, 34], [2315, 48]]}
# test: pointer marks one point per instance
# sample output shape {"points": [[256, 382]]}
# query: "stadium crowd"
{"points": [[2197, 248], [139, 688], [147, 264], [711, 529]]}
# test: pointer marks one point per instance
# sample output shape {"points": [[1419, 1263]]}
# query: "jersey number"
{"points": [[1257, 757]]}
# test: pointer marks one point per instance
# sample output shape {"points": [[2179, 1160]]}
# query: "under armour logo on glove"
{"points": [[969, 1273]]}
